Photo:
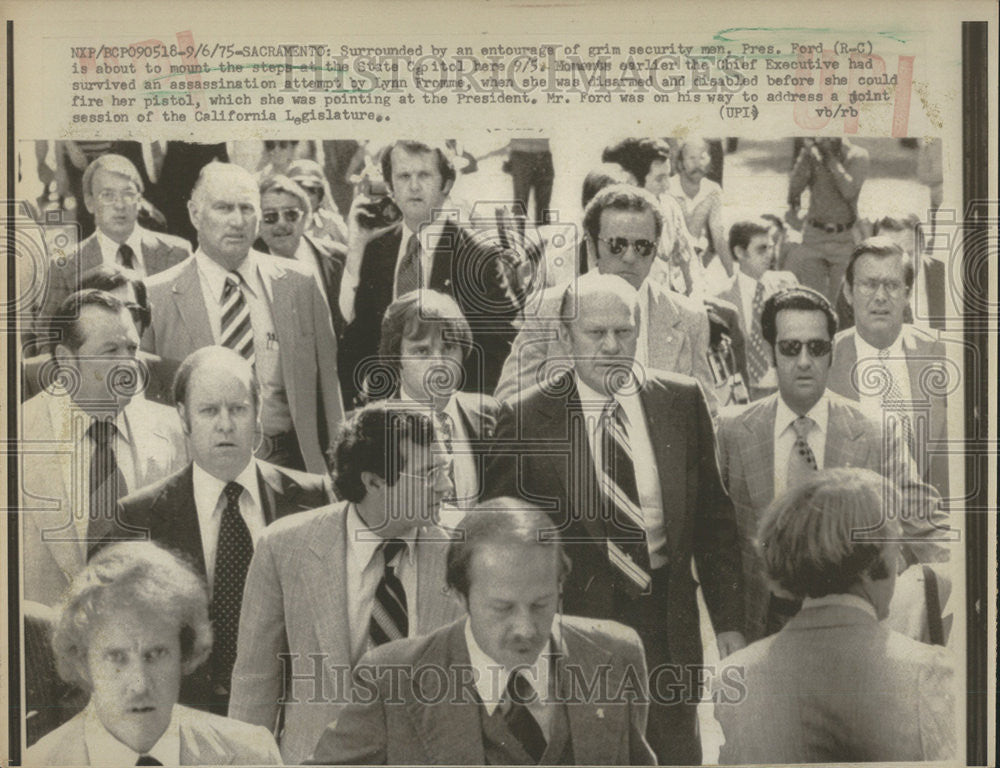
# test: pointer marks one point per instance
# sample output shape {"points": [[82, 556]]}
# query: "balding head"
{"points": [[224, 209]]}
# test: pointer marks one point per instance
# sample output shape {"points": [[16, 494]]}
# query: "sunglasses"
{"points": [[816, 347], [618, 245], [291, 215]]}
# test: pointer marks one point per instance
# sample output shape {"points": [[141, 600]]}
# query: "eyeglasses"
{"points": [[109, 196], [816, 347], [432, 475], [291, 215], [893, 288], [618, 245]]}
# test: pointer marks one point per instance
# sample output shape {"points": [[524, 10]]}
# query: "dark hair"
{"points": [[111, 277], [370, 442], [281, 183], [882, 247], [637, 155], [222, 357], [64, 325], [621, 197], [774, 221], [742, 232], [813, 537], [799, 297], [504, 520], [445, 167], [600, 177]]}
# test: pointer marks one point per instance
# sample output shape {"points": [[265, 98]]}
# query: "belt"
{"points": [[830, 229]]}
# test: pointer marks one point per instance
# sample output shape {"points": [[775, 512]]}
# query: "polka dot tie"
{"points": [[802, 461], [757, 354]]}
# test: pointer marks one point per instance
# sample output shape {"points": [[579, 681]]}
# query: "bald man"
{"points": [[623, 457], [268, 310]]}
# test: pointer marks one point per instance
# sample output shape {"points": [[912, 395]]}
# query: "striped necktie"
{"points": [[235, 329], [757, 358], [389, 619]]}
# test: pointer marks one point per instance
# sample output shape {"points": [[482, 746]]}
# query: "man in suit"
{"points": [[887, 366], [623, 225], [834, 685], [623, 458], [270, 310], [39, 372], [215, 509], [112, 189], [423, 251], [285, 210], [776, 442], [326, 586], [86, 442], [135, 622], [510, 675]]}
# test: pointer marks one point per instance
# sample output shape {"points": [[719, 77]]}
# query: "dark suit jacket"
{"points": [[38, 373], [465, 267], [159, 252], [166, 513], [542, 455], [396, 725]]}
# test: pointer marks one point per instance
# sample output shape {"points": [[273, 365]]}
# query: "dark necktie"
{"points": [[409, 269], [519, 719], [147, 760], [107, 483], [389, 620], [446, 431], [802, 460], [232, 559], [757, 359], [627, 548], [235, 329], [126, 256]]}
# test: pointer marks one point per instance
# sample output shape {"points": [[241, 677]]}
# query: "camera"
{"points": [[382, 210]]}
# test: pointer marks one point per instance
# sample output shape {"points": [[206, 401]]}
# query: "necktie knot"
{"points": [[232, 491], [802, 426], [147, 760], [446, 426], [391, 548], [520, 690], [126, 256], [233, 282], [102, 432]]}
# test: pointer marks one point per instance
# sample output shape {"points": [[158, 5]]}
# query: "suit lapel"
{"points": [[431, 551], [657, 404], [269, 483], [324, 572], [190, 306], [664, 338], [154, 253], [757, 452], [842, 439], [841, 372], [287, 327], [152, 443], [442, 263], [175, 515]]}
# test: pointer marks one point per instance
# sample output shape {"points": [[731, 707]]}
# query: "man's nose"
{"points": [[804, 360], [224, 421], [521, 624], [137, 678], [610, 343]]}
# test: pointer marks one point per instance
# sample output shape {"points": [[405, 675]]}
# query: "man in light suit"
{"points": [[899, 359], [325, 586], [219, 403], [623, 225], [134, 623], [834, 685], [509, 674], [423, 251], [632, 549], [86, 442], [112, 188], [762, 453], [270, 310]]}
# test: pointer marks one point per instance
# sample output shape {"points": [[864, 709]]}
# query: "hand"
{"points": [[730, 642], [358, 233]]}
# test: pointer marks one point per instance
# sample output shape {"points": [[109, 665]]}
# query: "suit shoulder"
{"points": [[144, 497], [847, 410], [303, 523], [843, 337], [170, 241], [59, 747], [249, 744], [478, 402], [148, 410], [610, 635], [307, 481], [692, 310], [921, 336], [167, 277], [678, 383]]}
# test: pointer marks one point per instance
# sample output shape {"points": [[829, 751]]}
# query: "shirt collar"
{"points": [[109, 248], [864, 349], [846, 600], [491, 676], [363, 542], [208, 488], [104, 749], [62, 412], [746, 283], [819, 413], [216, 274]]}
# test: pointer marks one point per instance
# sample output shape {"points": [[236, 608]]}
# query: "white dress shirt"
{"points": [[491, 679], [647, 478], [109, 249], [365, 566], [870, 402], [210, 502], [104, 749], [784, 437]]}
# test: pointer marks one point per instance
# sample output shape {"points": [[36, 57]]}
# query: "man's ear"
{"points": [[849, 294], [88, 202], [60, 352], [446, 187], [371, 481], [182, 412], [591, 253], [193, 213]]}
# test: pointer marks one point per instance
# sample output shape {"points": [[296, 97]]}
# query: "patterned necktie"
{"points": [[389, 620], [126, 256], [801, 461], [409, 268], [107, 483], [446, 431], [147, 760], [232, 559], [235, 329], [519, 719], [757, 359], [893, 402], [627, 549]]}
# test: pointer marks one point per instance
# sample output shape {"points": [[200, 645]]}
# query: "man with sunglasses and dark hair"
{"points": [[776, 443]]}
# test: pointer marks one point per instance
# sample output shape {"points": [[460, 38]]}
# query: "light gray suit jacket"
{"points": [[295, 601], [394, 724], [305, 335], [834, 686], [206, 739], [929, 369], [159, 253], [746, 454], [677, 336], [54, 489]]}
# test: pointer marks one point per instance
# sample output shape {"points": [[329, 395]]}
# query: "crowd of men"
{"points": [[398, 488]]}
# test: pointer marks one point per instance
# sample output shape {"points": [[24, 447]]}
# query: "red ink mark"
{"points": [[904, 92]]}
